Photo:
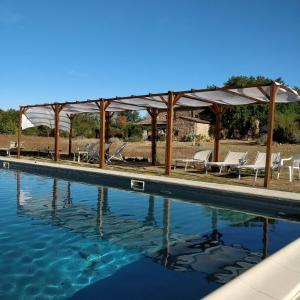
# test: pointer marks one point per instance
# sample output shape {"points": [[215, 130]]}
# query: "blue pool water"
{"points": [[61, 240]]}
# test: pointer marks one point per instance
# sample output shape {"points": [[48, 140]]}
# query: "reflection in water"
{"points": [[101, 195], [207, 253], [149, 220], [166, 230], [265, 237], [214, 218], [67, 198], [54, 197], [18, 175]]}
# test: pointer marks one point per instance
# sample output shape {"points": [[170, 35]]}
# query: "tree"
{"points": [[238, 120], [131, 116]]}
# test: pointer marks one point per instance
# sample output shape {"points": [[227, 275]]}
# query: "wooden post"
{"points": [[19, 132], [108, 116], [218, 110], [57, 108], [71, 134], [271, 117], [169, 137], [107, 126], [153, 112], [102, 134], [154, 136]]}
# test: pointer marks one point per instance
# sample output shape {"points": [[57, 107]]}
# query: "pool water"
{"points": [[61, 240]]}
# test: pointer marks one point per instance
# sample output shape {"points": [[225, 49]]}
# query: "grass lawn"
{"points": [[180, 150]]}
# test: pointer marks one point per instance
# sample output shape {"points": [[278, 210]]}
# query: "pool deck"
{"points": [[276, 277], [164, 179]]}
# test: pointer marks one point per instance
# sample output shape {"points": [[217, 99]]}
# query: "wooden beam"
{"points": [[218, 111], [71, 117], [199, 99], [102, 105], [271, 117], [263, 92], [57, 108], [177, 98], [150, 95], [244, 96], [153, 113], [107, 125], [169, 137], [108, 116]]}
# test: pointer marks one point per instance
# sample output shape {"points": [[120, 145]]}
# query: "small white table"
{"points": [[79, 153]]}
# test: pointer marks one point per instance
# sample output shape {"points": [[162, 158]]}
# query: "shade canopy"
{"points": [[43, 114]]}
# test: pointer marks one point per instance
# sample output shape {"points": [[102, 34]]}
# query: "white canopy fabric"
{"points": [[44, 114]]}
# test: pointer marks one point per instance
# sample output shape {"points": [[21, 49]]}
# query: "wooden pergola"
{"points": [[59, 115]]}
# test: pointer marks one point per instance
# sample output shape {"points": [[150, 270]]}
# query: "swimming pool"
{"points": [[62, 239]]}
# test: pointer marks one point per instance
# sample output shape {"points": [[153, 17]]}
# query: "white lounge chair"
{"points": [[118, 154], [199, 157], [11, 146], [83, 152], [260, 163], [93, 151], [295, 165], [232, 160]]}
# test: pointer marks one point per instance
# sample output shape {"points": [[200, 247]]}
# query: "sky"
{"points": [[54, 50]]}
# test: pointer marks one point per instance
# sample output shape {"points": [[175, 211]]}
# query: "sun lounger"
{"points": [[11, 146], [118, 154], [294, 165], [199, 157], [93, 151], [260, 163], [84, 153], [232, 160]]}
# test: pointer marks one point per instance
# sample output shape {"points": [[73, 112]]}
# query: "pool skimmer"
{"points": [[137, 185]]}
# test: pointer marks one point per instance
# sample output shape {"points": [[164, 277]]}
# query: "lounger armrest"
{"points": [[284, 160], [242, 162]]}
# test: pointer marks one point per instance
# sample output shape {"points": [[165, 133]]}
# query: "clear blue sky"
{"points": [[54, 50]]}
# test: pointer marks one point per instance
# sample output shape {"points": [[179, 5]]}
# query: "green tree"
{"points": [[8, 121], [238, 120]]}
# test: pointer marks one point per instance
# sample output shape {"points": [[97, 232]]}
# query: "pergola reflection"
{"points": [[162, 244]]}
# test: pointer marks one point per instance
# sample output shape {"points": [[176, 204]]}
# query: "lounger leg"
{"points": [[220, 171], [290, 174], [255, 177], [239, 173], [186, 165], [175, 165]]}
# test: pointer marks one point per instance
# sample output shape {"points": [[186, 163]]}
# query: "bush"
{"points": [[134, 138], [262, 140]]}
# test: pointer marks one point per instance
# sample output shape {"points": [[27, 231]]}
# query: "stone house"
{"points": [[187, 125]]}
